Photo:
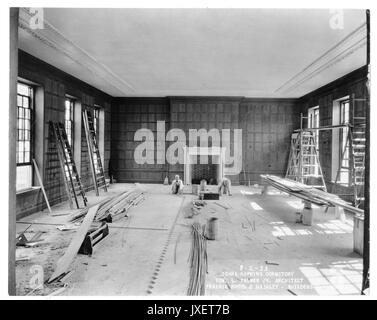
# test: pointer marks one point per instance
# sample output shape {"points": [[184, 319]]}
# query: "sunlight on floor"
{"points": [[256, 206], [250, 192], [342, 277], [281, 229]]}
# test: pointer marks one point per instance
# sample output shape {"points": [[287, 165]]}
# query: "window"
{"points": [[25, 96], [96, 114], [313, 122], [344, 151], [69, 112], [96, 119]]}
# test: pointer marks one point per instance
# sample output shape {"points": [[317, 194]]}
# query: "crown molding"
{"points": [[54, 39], [348, 46]]}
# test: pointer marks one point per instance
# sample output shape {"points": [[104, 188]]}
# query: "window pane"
{"points": [[21, 112], [20, 157], [23, 89], [24, 177], [25, 102], [19, 101], [27, 146]]}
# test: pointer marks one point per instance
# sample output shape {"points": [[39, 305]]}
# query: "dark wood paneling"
{"points": [[266, 123], [56, 84]]}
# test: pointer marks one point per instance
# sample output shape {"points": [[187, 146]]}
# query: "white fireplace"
{"points": [[191, 154]]}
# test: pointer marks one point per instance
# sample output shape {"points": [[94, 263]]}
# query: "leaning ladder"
{"points": [[98, 174], [304, 165], [71, 177], [352, 161]]}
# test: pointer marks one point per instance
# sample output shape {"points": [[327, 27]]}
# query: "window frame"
{"points": [[71, 134], [313, 112], [344, 118], [31, 103], [96, 117]]}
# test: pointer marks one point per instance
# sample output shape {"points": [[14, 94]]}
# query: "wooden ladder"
{"points": [[98, 174], [304, 165], [72, 180], [358, 162], [353, 161], [353, 164]]}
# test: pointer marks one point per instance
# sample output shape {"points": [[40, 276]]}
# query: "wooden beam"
{"points": [[309, 193], [13, 75], [41, 184], [366, 249], [66, 260]]}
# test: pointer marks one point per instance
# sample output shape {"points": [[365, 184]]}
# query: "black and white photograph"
{"points": [[162, 152]]}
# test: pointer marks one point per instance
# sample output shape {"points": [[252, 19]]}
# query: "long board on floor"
{"points": [[309, 193], [73, 248]]}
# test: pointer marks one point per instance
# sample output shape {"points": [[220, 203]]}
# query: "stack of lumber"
{"points": [[115, 206], [119, 206], [198, 261], [308, 193]]}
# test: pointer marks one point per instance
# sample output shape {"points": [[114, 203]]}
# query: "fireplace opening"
{"points": [[208, 172]]}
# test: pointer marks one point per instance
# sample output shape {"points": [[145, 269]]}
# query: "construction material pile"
{"points": [[308, 193], [198, 261], [197, 205], [113, 208], [119, 206]]}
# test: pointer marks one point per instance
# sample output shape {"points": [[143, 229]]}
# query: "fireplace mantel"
{"points": [[217, 153]]}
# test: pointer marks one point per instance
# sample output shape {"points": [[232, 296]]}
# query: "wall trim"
{"points": [[53, 38], [349, 45]]}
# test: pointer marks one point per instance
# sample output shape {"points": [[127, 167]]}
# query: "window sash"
{"points": [[344, 162], [69, 120], [24, 150]]}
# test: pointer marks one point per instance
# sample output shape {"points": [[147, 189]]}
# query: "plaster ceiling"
{"points": [[198, 52]]}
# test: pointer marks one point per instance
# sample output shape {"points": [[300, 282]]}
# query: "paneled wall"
{"points": [[324, 97], [266, 126], [54, 85], [129, 115]]}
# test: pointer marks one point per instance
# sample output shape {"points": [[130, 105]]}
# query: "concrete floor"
{"points": [[147, 253]]}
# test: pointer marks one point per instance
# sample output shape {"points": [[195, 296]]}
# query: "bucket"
{"points": [[212, 228]]}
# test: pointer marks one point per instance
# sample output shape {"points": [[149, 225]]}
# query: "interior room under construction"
{"points": [[180, 152]]}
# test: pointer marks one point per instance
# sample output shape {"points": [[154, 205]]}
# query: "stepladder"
{"points": [[304, 164]]}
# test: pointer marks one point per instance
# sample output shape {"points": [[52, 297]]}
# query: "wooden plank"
{"points": [[66, 260], [308, 193], [42, 186]]}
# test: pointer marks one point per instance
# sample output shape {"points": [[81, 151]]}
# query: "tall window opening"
{"points": [[69, 120], [25, 106], [344, 150], [313, 122]]}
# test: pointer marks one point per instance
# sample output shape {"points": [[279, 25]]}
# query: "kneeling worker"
{"points": [[224, 187], [177, 185]]}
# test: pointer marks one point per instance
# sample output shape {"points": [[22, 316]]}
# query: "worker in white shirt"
{"points": [[224, 187], [177, 185]]}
